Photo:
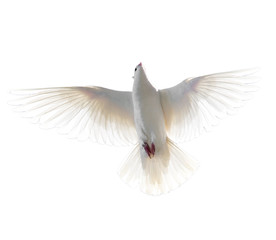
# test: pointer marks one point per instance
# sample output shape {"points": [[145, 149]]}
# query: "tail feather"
{"points": [[167, 170]]}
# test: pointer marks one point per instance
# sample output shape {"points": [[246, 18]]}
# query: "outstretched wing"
{"points": [[96, 113], [196, 104]]}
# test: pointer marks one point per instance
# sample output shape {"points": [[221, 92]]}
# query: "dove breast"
{"points": [[148, 113]]}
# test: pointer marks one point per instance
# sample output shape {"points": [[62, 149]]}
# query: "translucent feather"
{"points": [[196, 104], [96, 113], [167, 170]]}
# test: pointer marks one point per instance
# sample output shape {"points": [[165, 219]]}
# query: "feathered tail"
{"points": [[167, 170]]}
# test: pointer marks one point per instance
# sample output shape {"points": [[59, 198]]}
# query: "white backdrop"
{"points": [[55, 188]]}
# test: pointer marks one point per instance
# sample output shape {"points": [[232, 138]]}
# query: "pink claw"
{"points": [[152, 149], [149, 150]]}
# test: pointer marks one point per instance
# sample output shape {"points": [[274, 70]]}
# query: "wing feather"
{"points": [[196, 104], [96, 113]]}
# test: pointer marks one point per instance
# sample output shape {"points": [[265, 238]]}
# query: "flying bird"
{"points": [[151, 120]]}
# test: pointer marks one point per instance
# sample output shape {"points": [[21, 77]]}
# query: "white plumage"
{"points": [[148, 118]]}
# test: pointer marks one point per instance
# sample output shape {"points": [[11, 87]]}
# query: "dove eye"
{"points": [[135, 69]]}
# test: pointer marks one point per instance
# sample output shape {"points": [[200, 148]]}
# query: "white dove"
{"points": [[149, 118]]}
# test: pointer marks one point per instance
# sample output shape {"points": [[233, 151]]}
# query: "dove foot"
{"points": [[149, 150]]}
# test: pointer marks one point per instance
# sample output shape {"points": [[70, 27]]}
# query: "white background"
{"points": [[55, 188]]}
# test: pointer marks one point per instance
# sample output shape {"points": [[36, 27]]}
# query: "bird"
{"points": [[152, 120]]}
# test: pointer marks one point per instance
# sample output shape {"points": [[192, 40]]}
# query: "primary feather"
{"points": [[196, 104], [145, 117], [96, 113]]}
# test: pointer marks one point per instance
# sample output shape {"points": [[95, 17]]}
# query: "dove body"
{"points": [[148, 115]]}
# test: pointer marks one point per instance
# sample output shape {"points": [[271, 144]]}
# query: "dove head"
{"points": [[139, 72]]}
